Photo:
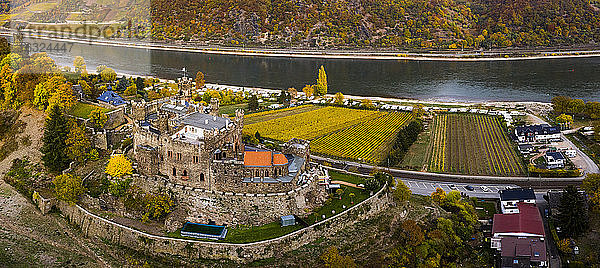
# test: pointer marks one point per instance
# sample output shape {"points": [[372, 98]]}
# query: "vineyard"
{"points": [[368, 141], [472, 144], [310, 125], [273, 114]]}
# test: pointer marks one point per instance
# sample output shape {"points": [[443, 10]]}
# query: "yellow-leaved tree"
{"points": [[118, 166], [321, 86], [68, 187]]}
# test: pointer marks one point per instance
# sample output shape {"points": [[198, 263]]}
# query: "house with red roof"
{"points": [[519, 237]]}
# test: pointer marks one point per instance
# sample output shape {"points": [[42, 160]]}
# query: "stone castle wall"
{"points": [[237, 208], [94, 226]]}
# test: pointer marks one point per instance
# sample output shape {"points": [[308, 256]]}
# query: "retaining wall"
{"points": [[95, 226]]}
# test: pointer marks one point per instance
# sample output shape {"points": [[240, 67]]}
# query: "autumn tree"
{"points": [[108, 74], [85, 87], [564, 120], [367, 104], [308, 91], [293, 92], [118, 166], [157, 206], [591, 186], [321, 86], [131, 90], [56, 131], [402, 192], [98, 118], [63, 97], [331, 258], [418, 111], [68, 187], [439, 196], [44, 91], [79, 65], [5, 83], [200, 80], [77, 142], [339, 98], [12, 60]]}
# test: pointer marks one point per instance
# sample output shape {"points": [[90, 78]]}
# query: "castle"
{"points": [[189, 145]]}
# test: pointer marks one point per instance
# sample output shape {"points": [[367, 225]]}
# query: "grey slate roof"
{"points": [[205, 121], [517, 194]]}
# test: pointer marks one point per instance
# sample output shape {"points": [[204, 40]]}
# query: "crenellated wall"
{"points": [[95, 226], [238, 208]]}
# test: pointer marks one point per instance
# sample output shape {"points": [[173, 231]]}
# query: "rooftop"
{"points": [[205, 121], [112, 98], [555, 155], [517, 194], [537, 129], [527, 221], [264, 159], [535, 248]]}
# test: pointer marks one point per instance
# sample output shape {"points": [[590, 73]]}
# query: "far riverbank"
{"points": [[450, 55]]}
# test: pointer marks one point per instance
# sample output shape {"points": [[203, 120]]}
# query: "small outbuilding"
{"points": [[288, 220]]}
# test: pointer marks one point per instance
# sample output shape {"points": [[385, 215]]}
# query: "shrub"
{"points": [[118, 187], [68, 187], [118, 166]]}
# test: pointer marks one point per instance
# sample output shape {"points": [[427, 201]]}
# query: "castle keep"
{"points": [[181, 144]]}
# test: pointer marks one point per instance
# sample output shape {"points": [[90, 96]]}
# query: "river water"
{"points": [[519, 80]]}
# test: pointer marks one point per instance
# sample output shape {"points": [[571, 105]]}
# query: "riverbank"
{"points": [[504, 55]]}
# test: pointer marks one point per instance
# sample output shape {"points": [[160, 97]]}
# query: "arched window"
{"points": [[184, 172], [201, 176], [174, 172], [266, 173]]}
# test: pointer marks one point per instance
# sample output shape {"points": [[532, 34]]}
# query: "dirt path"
{"points": [[34, 128], [347, 184]]}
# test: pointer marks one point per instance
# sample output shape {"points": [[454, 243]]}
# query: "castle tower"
{"points": [[185, 87], [214, 107], [138, 110], [163, 123], [239, 126]]}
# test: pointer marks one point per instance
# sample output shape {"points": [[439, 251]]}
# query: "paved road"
{"points": [[423, 187]]}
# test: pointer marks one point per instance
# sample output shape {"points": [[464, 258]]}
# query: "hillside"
{"points": [[407, 24]]}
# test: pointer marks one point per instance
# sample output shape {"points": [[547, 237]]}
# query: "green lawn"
{"points": [[83, 110], [587, 145], [230, 109], [334, 203], [249, 234], [488, 211]]}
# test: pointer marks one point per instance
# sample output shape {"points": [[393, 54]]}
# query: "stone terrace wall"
{"points": [[92, 225], [237, 208]]}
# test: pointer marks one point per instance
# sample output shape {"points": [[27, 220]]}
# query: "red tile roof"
{"points": [[257, 159], [528, 220], [263, 159], [279, 159]]}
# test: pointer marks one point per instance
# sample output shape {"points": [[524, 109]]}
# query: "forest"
{"points": [[424, 24], [377, 24]]}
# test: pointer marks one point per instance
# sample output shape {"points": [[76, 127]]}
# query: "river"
{"points": [[516, 80]]}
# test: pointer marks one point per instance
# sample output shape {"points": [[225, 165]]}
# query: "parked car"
{"points": [[452, 186], [469, 187], [485, 189]]}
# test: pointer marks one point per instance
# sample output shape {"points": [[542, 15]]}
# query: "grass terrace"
{"points": [[334, 203], [83, 110]]}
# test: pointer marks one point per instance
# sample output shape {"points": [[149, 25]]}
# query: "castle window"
{"points": [[174, 172], [185, 173], [201, 176], [196, 159], [266, 173], [170, 154], [179, 156]]}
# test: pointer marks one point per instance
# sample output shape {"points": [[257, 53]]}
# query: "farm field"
{"points": [[273, 114], [311, 124], [368, 141], [472, 144]]}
